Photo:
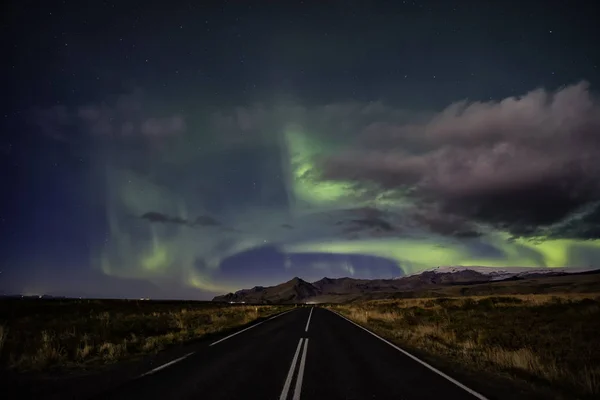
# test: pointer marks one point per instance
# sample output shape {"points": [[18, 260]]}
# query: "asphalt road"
{"points": [[307, 353]]}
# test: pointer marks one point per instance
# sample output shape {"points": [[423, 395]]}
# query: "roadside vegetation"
{"points": [[38, 335], [550, 341]]}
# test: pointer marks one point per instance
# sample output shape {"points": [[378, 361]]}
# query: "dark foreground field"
{"points": [[547, 343], [544, 346], [43, 335]]}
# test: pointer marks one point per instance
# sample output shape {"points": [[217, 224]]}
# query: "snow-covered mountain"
{"points": [[502, 273]]}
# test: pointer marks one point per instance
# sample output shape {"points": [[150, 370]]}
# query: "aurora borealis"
{"points": [[188, 171]]}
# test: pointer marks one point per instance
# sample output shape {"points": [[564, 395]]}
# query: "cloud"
{"points": [[516, 164], [52, 121], [153, 216], [205, 220], [445, 224], [157, 127], [583, 224], [126, 118], [365, 220], [202, 220], [376, 223]]}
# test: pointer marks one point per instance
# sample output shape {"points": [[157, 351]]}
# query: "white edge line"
{"points": [[279, 315], [288, 380], [166, 365], [189, 354], [308, 322], [298, 388], [237, 333], [250, 327], [406, 353]]}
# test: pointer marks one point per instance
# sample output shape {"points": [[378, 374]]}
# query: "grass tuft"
{"points": [[3, 334]]}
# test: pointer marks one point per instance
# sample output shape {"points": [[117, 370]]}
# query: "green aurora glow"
{"points": [[137, 249]]}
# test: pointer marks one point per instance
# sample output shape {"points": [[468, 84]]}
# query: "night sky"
{"points": [[185, 149]]}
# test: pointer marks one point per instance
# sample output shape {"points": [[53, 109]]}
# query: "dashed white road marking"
{"points": [[250, 327], [288, 380], [298, 388], [406, 353], [166, 365], [308, 322]]}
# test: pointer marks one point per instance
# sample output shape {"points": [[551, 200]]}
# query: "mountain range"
{"points": [[436, 281]]}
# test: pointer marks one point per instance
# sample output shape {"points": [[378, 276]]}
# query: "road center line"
{"points": [[250, 327], [308, 322], [288, 380], [166, 365], [406, 353], [298, 387]]}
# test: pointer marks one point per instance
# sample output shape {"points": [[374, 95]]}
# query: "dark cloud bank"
{"points": [[527, 164]]}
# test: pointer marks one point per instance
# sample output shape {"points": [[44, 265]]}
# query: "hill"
{"points": [[441, 281], [295, 290]]}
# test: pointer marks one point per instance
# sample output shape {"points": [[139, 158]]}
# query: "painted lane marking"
{"points": [[406, 353], [279, 315], [298, 387], [167, 364], [189, 354], [237, 333], [288, 380], [250, 327], [308, 322]]}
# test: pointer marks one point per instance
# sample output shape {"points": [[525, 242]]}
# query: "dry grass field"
{"points": [[549, 341], [38, 335]]}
